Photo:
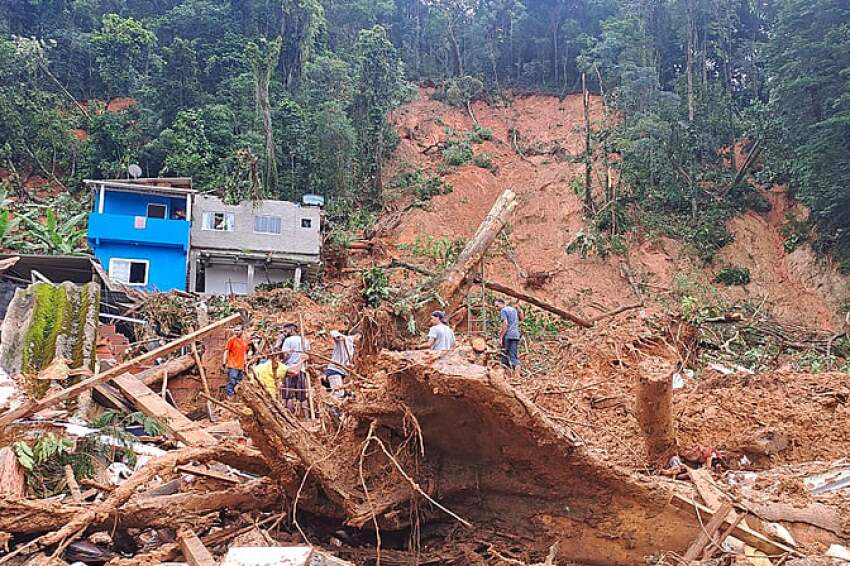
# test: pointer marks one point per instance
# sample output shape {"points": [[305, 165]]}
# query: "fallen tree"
{"points": [[406, 464]]}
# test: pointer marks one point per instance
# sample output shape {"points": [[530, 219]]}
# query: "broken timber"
{"points": [[706, 535], [194, 551], [655, 410], [505, 290], [453, 277], [151, 404], [40, 404]]}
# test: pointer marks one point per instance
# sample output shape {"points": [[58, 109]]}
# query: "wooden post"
{"points": [[164, 387], [654, 409], [304, 366], [37, 405], [73, 486], [204, 382]]}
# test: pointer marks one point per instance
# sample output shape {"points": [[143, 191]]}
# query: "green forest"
{"points": [[259, 98]]}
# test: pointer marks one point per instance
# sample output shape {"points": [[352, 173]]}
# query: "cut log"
{"points": [[526, 298], [706, 535], [151, 404], [194, 551], [40, 404], [13, 481], [453, 277], [654, 409], [172, 367]]}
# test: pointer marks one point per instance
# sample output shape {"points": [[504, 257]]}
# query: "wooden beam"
{"points": [[194, 551], [151, 404], [741, 532], [37, 405], [520, 296], [706, 534]]}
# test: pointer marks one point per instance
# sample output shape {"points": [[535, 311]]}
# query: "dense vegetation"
{"points": [[282, 98]]}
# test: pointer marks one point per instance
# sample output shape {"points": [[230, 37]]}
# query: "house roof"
{"points": [[58, 268], [153, 186]]}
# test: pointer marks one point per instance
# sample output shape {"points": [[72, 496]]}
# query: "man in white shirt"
{"points": [[440, 336], [295, 348]]}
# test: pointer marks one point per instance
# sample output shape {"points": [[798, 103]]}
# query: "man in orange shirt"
{"points": [[235, 354]]}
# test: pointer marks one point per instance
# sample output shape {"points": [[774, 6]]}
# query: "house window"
{"points": [[219, 221], [129, 271], [267, 225], [306, 222], [157, 211]]}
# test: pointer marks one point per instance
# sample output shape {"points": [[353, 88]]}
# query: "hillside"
{"points": [[795, 286]]}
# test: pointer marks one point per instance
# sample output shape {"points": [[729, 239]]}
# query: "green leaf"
{"points": [[24, 453]]}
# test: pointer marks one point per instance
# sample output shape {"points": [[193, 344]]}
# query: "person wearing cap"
{"points": [[234, 358], [440, 336], [341, 359], [292, 345]]}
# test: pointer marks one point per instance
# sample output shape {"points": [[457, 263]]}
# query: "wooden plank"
{"points": [[706, 534], [212, 474], [194, 551], [204, 382], [37, 405], [741, 532], [153, 405]]}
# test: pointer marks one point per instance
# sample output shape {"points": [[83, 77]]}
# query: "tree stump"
{"points": [[654, 409]]}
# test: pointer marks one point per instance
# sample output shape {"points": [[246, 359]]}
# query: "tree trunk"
{"points": [[690, 62], [13, 482], [654, 409], [505, 290], [588, 153], [457, 58], [499, 214], [172, 367]]}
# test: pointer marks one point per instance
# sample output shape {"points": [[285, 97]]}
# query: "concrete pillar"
{"points": [[296, 282], [101, 196], [193, 271], [250, 278]]}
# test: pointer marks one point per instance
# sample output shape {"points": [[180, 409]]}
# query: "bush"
{"points": [[484, 161], [376, 286], [457, 153], [795, 232], [421, 185], [733, 276], [479, 134]]}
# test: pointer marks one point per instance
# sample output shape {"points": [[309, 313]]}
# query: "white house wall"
{"points": [[294, 239]]}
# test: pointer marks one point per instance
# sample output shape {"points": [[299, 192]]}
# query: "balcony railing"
{"points": [[140, 229]]}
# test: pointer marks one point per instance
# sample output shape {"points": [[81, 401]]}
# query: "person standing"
{"points": [[509, 334], [295, 348], [341, 359], [234, 358], [440, 336]]}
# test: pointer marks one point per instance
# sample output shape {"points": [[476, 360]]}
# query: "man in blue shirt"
{"points": [[509, 334]]}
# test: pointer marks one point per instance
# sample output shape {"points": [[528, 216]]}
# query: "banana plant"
{"points": [[55, 237], [10, 238]]}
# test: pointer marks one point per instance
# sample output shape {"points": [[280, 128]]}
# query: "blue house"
{"points": [[139, 230]]}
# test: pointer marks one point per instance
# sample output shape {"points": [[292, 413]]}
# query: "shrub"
{"points": [[421, 185], [479, 134], [795, 231], [376, 286], [457, 153], [733, 276], [484, 161]]}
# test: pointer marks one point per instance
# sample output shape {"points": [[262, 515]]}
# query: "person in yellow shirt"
{"points": [[270, 374]]}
